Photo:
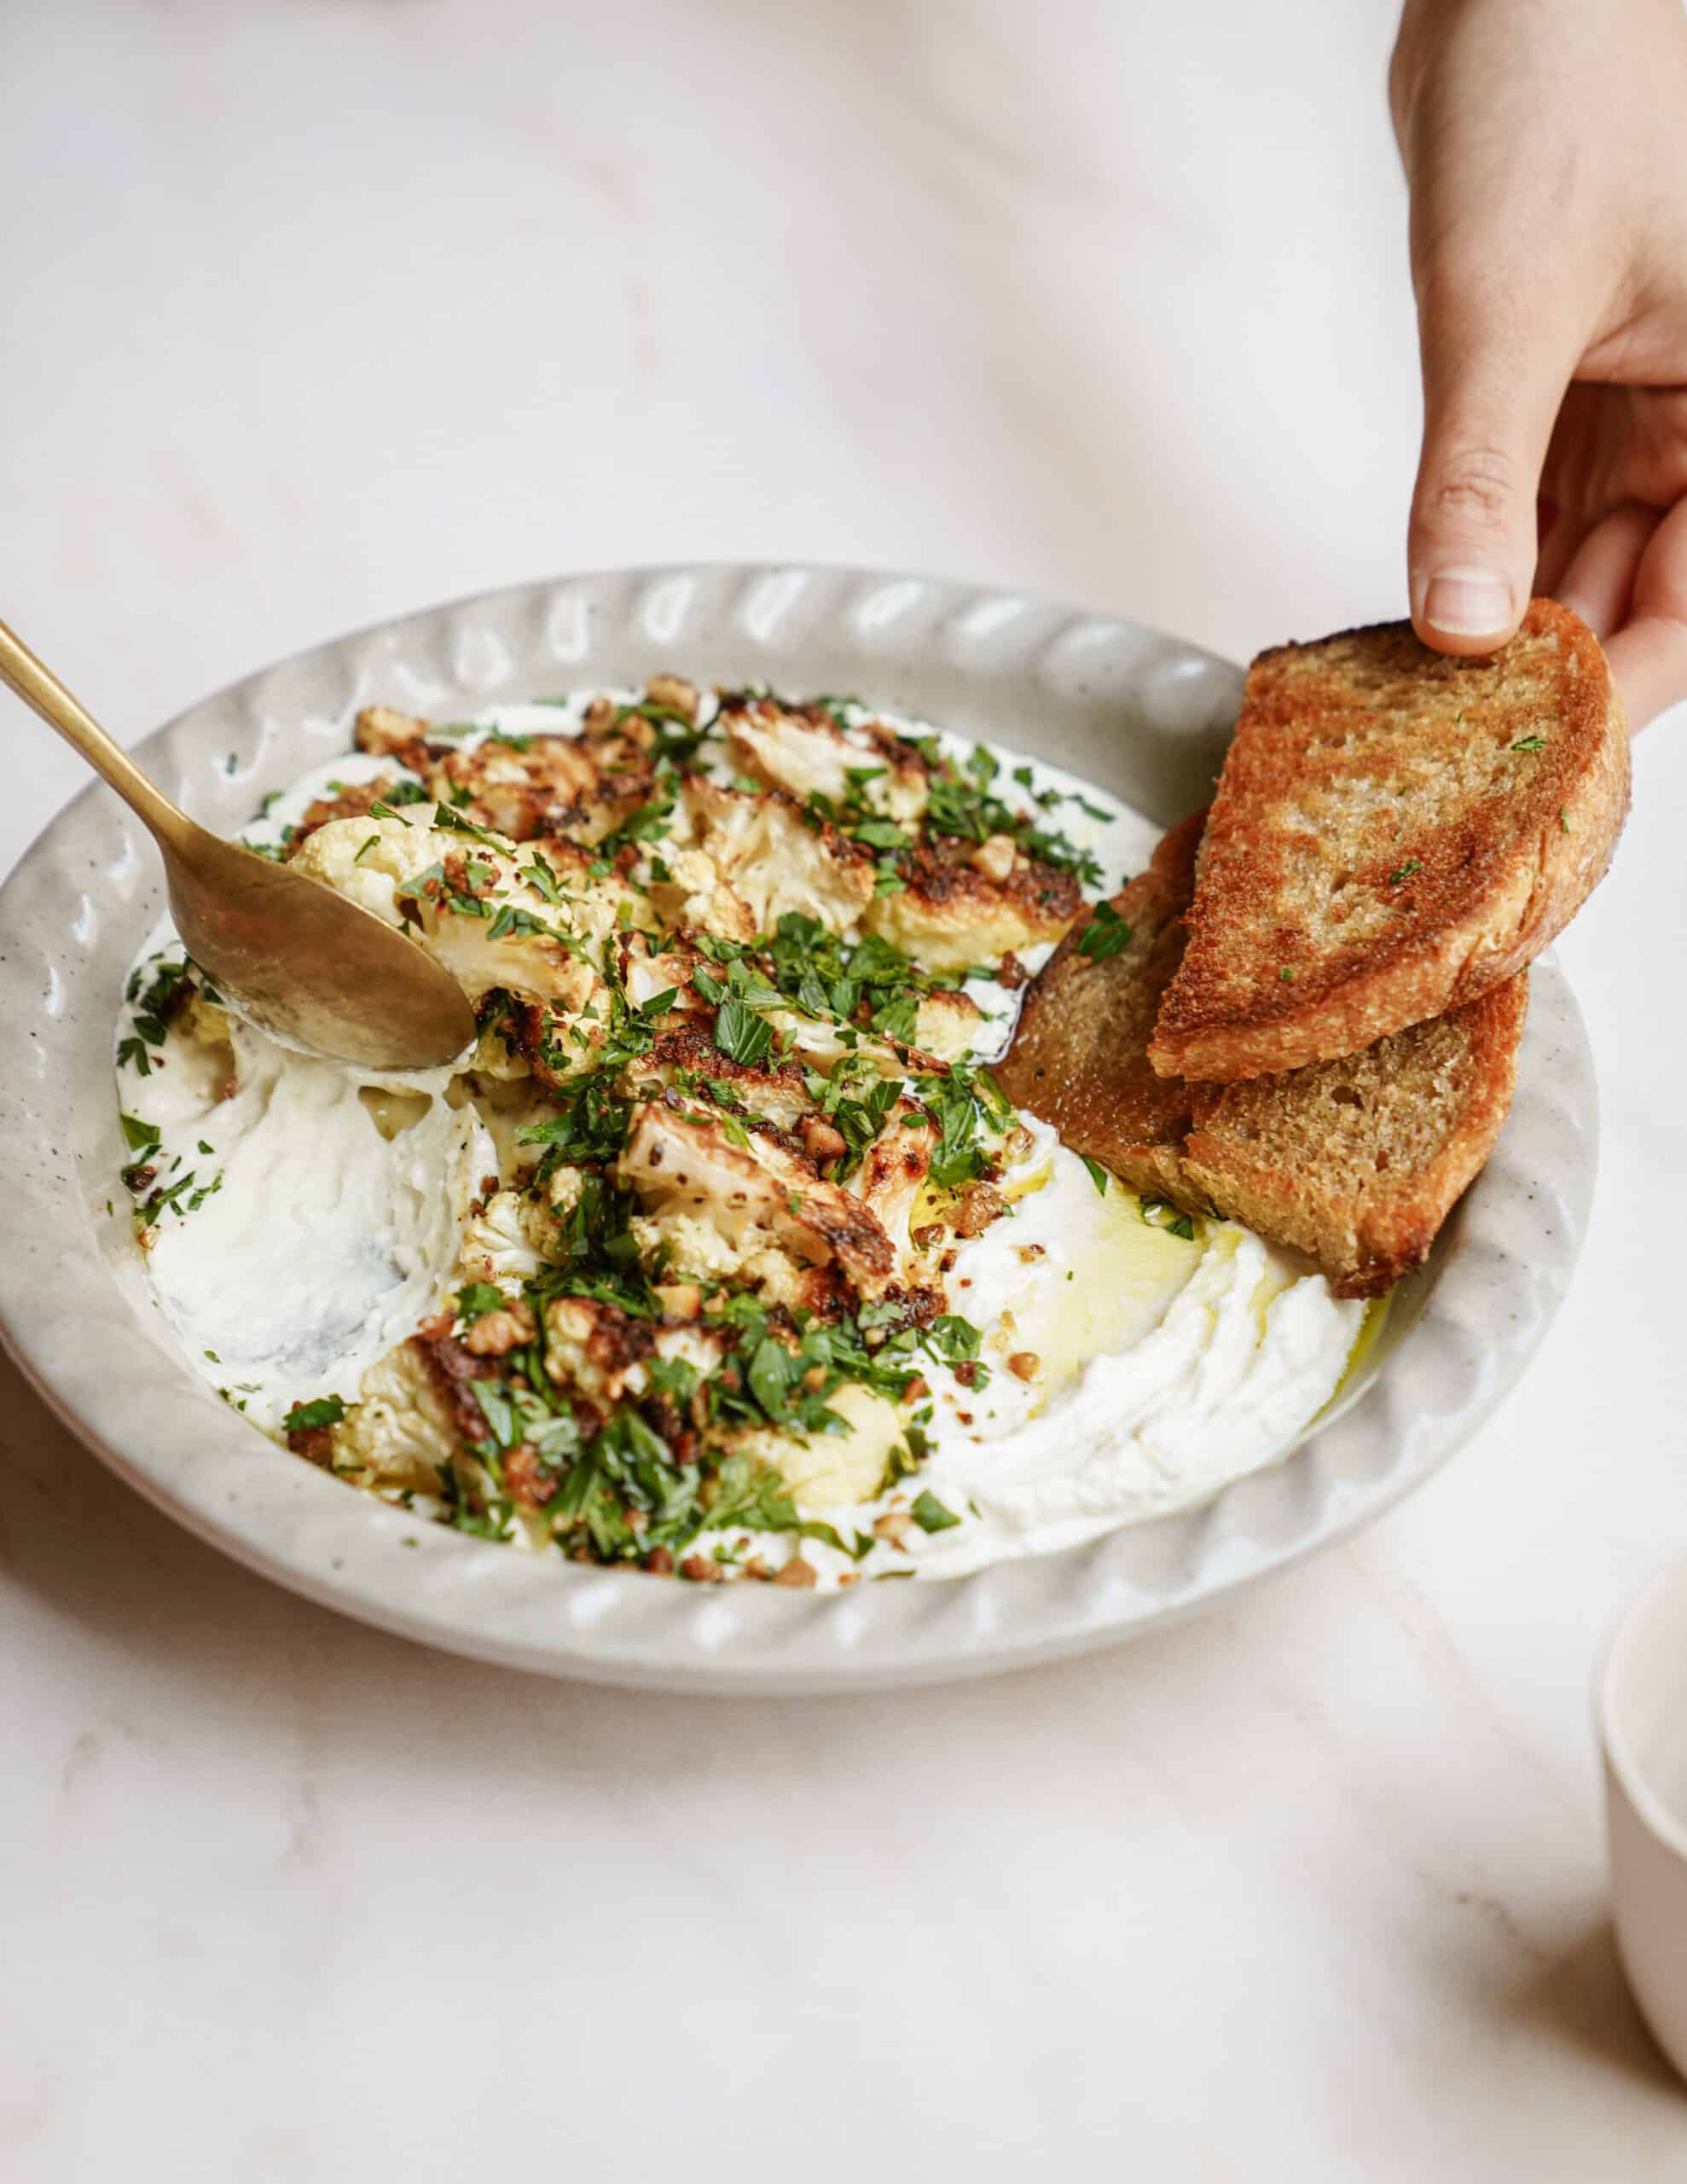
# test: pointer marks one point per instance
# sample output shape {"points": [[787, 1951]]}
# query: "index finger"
{"points": [[1649, 653]]}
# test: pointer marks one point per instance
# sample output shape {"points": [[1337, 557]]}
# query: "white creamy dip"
{"points": [[323, 1244], [1166, 1364], [1166, 1368]]}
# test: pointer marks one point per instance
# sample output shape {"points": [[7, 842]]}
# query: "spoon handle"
{"points": [[42, 690]]}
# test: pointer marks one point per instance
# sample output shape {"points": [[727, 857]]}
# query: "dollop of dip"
{"points": [[720, 1254]]}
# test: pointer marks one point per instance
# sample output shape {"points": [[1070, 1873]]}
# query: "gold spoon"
{"points": [[291, 956]]}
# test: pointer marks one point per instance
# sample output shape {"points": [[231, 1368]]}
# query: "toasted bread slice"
{"points": [[1080, 1054], [1355, 1162], [1395, 833]]}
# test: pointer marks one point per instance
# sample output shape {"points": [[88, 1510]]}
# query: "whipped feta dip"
{"points": [[1096, 1361], [1169, 1366], [322, 1243]]}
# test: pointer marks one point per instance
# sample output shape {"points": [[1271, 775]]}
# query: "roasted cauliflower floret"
{"points": [[500, 1051], [776, 1092], [805, 753], [774, 861], [368, 860], [695, 894], [606, 1353], [951, 1023], [351, 801], [559, 785], [716, 1205], [384, 732], [400, 1430], [894, 1167], [951, 913], [673, 694], [545, 1215], [478, 914], [647, 971], [595, 1347], [498, 1244]]}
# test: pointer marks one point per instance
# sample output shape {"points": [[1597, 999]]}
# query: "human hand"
{"points": [[1545, 151]]}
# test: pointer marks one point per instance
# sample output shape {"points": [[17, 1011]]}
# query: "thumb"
{"points": [[1492, 383]]}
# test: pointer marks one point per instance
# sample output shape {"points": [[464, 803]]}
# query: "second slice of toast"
{"points": [[1356, 1162]]}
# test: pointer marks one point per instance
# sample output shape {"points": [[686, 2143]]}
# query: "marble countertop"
{"points": [[318, 312]]}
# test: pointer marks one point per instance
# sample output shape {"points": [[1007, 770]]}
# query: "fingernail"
{"points": [[1467, 603]]}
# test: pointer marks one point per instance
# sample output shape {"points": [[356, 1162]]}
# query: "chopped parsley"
{"points": [[305, 1417], [963, 804], [1106, 934], [740, 1033], [930, 1513]]}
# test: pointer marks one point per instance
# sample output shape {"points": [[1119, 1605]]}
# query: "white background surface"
{"points": [[314, 312]]}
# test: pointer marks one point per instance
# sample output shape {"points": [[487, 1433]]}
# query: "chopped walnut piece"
{"points": [[531, 1486], [660, 1560], [932, 1233], [820, 1142], [315, 1443], [994, 857], [975, 1207], [1024, 1364], [501, 1330], [797, 1572], [894, 1525], [702, 1569]]}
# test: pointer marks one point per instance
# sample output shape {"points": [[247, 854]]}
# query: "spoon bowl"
{"points": [[286, 953]]}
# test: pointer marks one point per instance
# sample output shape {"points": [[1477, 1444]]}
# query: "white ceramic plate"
{"points": [[1139, 713]]}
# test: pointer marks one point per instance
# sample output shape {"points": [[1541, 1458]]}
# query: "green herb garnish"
{"points": [[304, 1417], [1106, 934], [930, 1513]]}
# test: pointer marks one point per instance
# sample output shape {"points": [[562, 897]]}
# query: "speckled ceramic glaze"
{"points": [[1136, 712]]}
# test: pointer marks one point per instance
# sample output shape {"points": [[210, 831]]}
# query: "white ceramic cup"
{"points": [[1641, 1700]]}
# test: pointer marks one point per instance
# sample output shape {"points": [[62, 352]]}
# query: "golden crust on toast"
{"points": [[1395, 834], [1355, 1162], [1358, 1162]]}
